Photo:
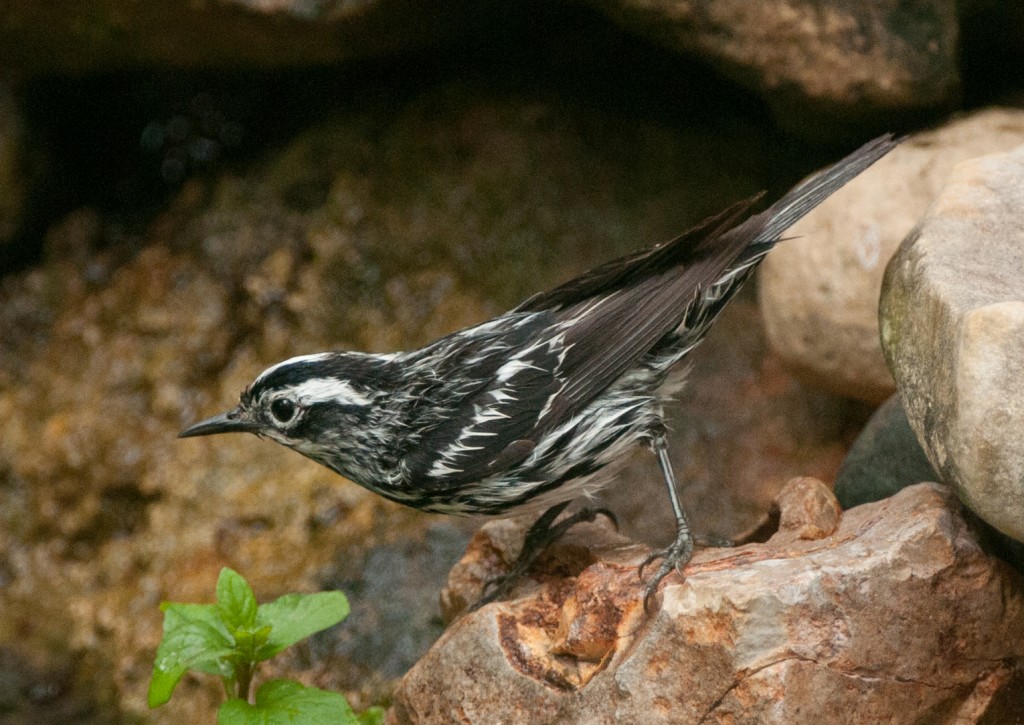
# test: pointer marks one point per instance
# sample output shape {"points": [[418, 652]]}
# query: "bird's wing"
{"points": [[504, 374], [616, 313], [605, 335], [622, 271], [542, 363]]}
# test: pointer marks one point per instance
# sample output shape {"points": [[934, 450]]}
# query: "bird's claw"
{"points": [[541, 535], [497, 588], [674, 557]]}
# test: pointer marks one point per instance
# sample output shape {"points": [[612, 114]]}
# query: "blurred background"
{"points": [[190, 192]]}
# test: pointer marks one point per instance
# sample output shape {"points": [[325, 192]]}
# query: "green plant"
{"points": [[231, 637]]}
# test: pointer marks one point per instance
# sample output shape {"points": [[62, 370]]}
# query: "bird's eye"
{"points": [[283, 410]]}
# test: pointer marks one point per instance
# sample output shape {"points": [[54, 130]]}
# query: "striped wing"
{"points": [[619, 311], [561, 349]]}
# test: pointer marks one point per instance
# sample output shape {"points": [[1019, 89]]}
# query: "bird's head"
{"points": [[315, 404]]}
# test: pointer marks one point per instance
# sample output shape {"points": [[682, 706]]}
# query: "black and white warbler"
{"points": [[527, 409]]}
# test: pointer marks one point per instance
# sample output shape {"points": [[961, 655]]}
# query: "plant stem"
{"points": [[244, 671]]}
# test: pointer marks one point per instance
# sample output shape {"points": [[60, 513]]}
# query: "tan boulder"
{"points": [[819, 291], [952, 317]]}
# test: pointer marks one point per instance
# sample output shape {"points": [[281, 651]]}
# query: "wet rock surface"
{"points": [[819, 291], [896, 614], [952, 318]]}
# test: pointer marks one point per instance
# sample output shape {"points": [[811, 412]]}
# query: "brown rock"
{"points": [[952, 318], [493, 550], [808, 509], [819, 291], [808, 56], [897, 616], [804, 56]]}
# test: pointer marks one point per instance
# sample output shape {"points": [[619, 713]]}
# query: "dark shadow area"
{"points": [[991, 48], [123, 143]]}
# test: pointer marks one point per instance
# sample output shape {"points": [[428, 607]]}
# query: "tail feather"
{"points": [[610, 317], [800, 200]]}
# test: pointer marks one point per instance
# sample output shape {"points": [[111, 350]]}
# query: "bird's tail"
{"points": [[800, 200], [766, 227]]}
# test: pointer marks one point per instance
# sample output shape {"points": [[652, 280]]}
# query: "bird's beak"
{"points": [[234, 421]]}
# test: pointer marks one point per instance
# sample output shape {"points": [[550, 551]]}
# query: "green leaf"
{"points": [[235, 600], [294, 617], [194, 638], [284, 702], [250, 642]]}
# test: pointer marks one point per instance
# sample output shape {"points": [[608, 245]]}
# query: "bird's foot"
{"points": [[542, 534], [675, 557]]}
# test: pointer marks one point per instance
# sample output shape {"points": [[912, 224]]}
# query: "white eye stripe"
{"points": [[323, 390]]}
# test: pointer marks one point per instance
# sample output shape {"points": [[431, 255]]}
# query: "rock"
{"points": [[89, 37], [494, 548], [952, 319], [885, 458], [897, 616], [807, 509], [814, 59], [394, 617], [819, 292]]}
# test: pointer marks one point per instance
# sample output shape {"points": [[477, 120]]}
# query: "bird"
{"points": [[529, 410]]}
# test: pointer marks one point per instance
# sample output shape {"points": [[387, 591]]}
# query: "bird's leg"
{"points": [[541, 534], [679, 551]]}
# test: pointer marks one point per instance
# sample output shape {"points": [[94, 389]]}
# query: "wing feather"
{"points": [[569, 344]]}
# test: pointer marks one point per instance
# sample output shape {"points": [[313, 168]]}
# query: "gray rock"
{"points": [[819, 292], [885, 458], [393, 590], [897, 616], [952, 322]]}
